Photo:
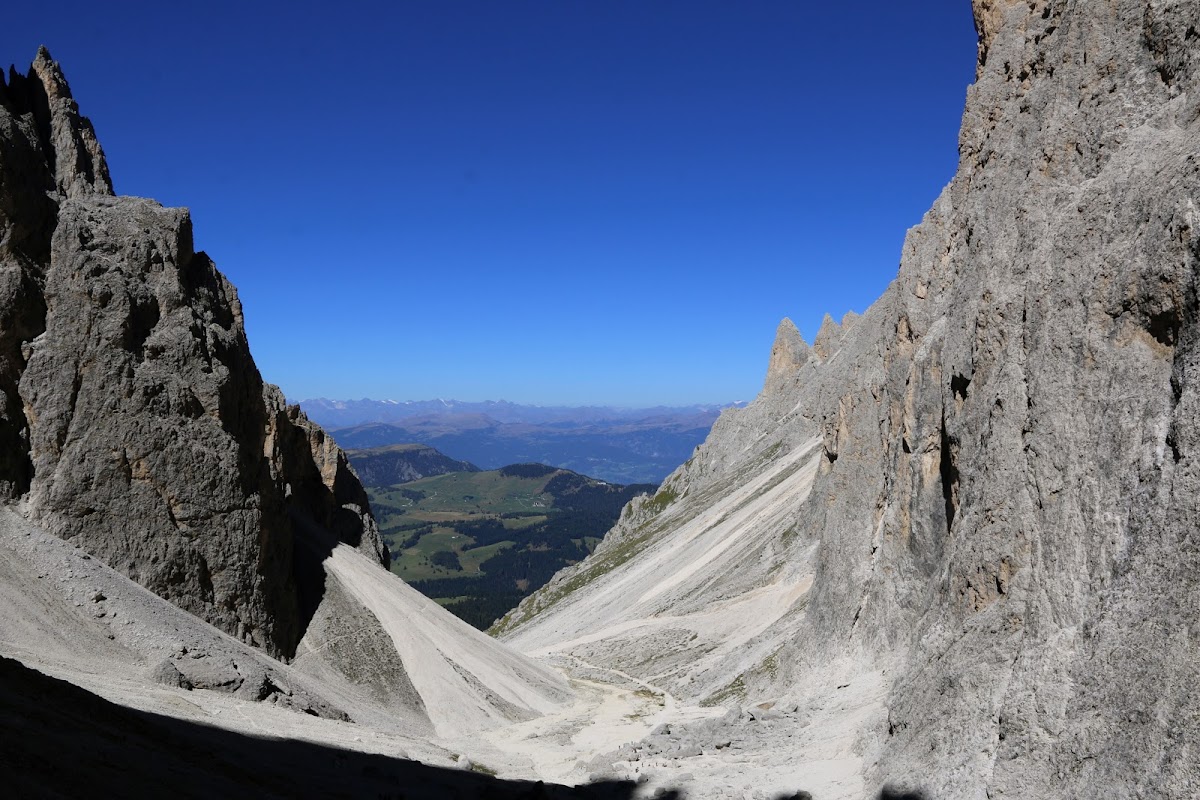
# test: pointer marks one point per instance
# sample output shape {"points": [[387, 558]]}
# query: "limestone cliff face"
{"points": [[1037, 416], [1004, 514], [135, 422]]}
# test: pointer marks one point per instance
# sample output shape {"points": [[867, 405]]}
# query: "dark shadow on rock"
{"points": [[324, 505], [58, 740], [311, 547], [895, 793]]}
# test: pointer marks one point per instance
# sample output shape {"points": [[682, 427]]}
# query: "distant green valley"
{"points": [[479, 542]]}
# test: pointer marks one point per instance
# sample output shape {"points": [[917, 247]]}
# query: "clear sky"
{"points": [[544, 201]]}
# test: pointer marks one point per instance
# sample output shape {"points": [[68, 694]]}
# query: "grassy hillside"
{"points": [[399, 463], [478, 542]]}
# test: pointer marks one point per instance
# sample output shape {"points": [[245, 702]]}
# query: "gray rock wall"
{"points": [[134, 421], [1053, 294], [1005, 517], [1008, 505], [48, 152]]}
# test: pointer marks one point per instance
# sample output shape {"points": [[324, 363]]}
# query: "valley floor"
{"points": [[628, 729], [72, 618]]}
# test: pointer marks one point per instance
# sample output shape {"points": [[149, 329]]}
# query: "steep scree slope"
{"points": [[1001, 522]]}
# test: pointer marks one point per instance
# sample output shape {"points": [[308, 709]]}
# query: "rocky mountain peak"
{"points": [[990, 18], [978, 499], [134, 421], [788, 353], [827, 338], [76, 159]]}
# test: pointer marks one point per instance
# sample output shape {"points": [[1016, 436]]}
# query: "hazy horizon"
{"points": [[501, 400]]}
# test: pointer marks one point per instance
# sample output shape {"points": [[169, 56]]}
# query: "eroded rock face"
{"points": [[1004, 517], [134, 420]]}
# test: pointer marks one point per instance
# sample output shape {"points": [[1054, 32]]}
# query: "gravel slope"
{"points": [[72, 617]]}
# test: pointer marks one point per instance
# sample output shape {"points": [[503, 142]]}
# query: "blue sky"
{"points": [[550, 201]]}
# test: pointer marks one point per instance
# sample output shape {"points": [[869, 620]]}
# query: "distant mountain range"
{"points": [[619, 445], [344, 413]]}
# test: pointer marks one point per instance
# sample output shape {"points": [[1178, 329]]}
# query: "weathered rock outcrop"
{"points": [[1002, 524], [134, 421]]}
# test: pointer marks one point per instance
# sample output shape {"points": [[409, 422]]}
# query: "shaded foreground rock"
{"points": [[59, 740]]}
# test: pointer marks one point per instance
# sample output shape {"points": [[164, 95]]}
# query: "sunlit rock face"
{"points": [[981, 495]]}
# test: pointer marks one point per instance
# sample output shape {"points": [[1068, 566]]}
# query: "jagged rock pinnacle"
{"points": [[827, 338], [788, 354], [41, 105], [80, 167]]}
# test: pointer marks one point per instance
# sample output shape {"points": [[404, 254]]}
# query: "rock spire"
{"points": [[788, 354]]}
